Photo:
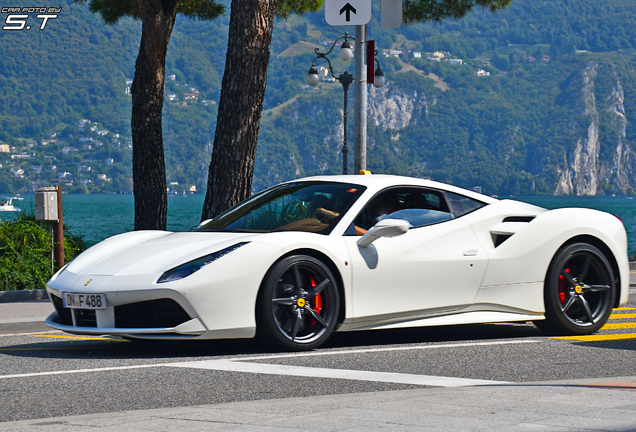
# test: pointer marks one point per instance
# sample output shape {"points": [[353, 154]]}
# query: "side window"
{"points": [[418, 206], [462, 205], [377, 209]]}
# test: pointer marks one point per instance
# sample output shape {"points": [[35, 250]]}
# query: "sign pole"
{"points": [[360, 101], [48, 207]]}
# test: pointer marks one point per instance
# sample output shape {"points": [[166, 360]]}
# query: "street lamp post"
{"points": [[344, 78], [360, 101]]}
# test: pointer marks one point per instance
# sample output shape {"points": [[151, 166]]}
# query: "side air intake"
{"points": [[508, 227], [525, 219]]}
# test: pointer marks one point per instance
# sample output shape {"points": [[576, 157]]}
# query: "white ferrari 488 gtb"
{"points": [[305, 258]]}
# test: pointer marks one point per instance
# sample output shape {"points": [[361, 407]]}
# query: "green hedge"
{"points": [[25, 253]]}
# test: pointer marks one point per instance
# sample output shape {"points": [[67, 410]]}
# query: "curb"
{"points": [[23, 295]]}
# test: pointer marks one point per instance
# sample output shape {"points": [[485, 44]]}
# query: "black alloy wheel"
{"points": [[298, 305], [579, 291]]}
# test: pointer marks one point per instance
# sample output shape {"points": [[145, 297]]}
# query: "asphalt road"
{"points": [[52, 374]]}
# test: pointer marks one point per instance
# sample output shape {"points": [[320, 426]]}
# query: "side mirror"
{"points": [[384, 228]]}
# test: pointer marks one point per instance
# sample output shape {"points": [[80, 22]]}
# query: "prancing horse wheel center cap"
{"points": [[301, 302], [578, 289]]}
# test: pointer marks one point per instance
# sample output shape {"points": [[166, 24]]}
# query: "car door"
{"points": [[436, 266]]}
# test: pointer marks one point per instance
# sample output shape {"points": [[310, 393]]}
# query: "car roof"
{"points": [[381, 181]]}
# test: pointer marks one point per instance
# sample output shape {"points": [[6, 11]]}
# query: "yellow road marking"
{"points": [[622, 316], [598, 337], [624, 308], [619, 326], [79, 337], [51, 349], [64, 348], [27, 334]]}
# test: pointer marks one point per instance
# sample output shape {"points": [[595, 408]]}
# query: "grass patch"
{"points": [[299, 48]]}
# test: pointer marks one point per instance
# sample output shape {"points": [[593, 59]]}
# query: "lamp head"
{"points": [[379, 79], [312, 77], [345, 53]]}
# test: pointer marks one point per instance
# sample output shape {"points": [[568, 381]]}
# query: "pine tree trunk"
{"points": [[149, 168], [240, 105]]}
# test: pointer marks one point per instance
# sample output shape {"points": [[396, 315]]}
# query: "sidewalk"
{"points": [[534, 406], [24, 317], [29, 311]]}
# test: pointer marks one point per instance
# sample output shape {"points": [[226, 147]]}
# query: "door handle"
{"points": [[472, 252]]}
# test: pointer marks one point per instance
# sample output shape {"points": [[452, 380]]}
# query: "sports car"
{"points": [[302, 259]]}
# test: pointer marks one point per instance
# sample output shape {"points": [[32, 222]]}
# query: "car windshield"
{"points": [[303, 206]]}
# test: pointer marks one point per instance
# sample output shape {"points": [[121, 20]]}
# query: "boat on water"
{"points": [[6, 204]]}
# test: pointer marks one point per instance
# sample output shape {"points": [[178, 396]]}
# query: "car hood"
{"points": [[148, 252]]}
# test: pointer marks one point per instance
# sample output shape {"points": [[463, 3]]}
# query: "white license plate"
{"points": [[84, 301]]}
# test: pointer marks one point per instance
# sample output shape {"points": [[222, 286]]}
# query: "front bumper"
{"points": [[128, 315], [180, 321]]}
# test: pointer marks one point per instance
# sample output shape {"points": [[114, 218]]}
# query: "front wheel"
{"points": [[298, 304], [579, 291]]}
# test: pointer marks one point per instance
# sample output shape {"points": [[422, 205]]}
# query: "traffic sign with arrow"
{"points": [[347, 12], [347, 9]]}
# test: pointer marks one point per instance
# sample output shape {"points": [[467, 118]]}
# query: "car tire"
{"points": [[298, 304], [579, 291]]}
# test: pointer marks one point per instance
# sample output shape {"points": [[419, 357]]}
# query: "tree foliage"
{"points": [[284, 8], [112, 11]]}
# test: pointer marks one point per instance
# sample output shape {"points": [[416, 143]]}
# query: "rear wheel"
{"points": [[579, 291], [298, 304]]}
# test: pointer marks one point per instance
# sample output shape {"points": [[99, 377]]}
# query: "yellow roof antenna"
{"points": [[364, 172]]}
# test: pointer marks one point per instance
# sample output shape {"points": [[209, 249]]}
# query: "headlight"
{"points": [[186, 269]]}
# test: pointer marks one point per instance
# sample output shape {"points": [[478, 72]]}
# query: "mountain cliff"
{"points": [[601, 124]]}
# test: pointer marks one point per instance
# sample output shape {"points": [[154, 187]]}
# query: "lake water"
{"points": [[97, 217]]}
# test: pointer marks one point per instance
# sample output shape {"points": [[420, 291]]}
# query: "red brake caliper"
{"points": [[562, 287], [316, 302]]}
